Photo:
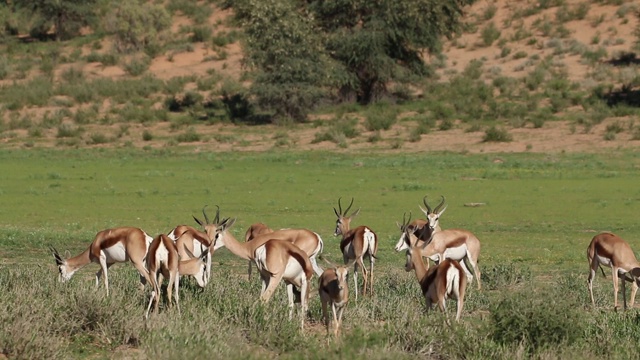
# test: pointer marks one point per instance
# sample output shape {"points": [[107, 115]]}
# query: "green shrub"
{"points": [[537, 320], [379, 120], [489, 34], [188, 136], [495, 134], [505, 275], [68, 131], [137, 66], [147, 135], [136, 25], [98, 138], [200, 34]]}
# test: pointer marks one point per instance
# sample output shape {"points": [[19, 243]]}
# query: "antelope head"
{"points": [[208, 226], [65, 272], [342, 272], [201, 275], [406, 227], [433, 215], [344, 221], [411, 242], [217, 233]]}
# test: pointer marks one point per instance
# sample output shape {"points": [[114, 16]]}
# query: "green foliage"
{"points": [[537, 322], [64, 17], [489, 34], [380, 117], [137, 66], [496, 134], [340, 130], [136, 25], [375, 46], [285, 49], [191, 135]]}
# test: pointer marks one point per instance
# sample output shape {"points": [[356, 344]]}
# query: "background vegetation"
{"points": [[540, 213], [382, 54]]}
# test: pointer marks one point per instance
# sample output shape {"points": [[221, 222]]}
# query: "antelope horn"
{"points": [[424, 200], [217, 218], [206, 218], [339, 211], [349, 207], [439, 205], [405, 221], [55, 253]]}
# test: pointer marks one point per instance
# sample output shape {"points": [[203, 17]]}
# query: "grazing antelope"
{"points": [[610, 250], [307, 240], [334, 291], [188, 238], [163, 260], [356, 244], [447, 279], [281, 260], [110, 246], [254, 231], [455, 244]]}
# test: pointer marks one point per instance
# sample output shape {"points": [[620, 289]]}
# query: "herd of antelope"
{"points": [[291, 255]]}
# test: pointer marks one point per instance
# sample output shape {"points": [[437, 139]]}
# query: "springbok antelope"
{"points": [[423, 229], [447, 279], [356, 244], [163, 260], [334, 291], [612, 251], [455, 244], [110, 246], [307, 240], [254, 231], [188, 238], [281, 260]]}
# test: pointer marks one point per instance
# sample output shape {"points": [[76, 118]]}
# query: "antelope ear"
{"points": [[198, 221], [355, 213], [228, 223], [442, 211]]}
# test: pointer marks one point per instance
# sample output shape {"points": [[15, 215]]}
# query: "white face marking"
{"points": [[65, 275], [338, 230], [433, 220], [342, 273], [401, 244]]}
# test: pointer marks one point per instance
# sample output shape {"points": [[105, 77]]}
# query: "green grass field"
{"points": [[539, 215]]}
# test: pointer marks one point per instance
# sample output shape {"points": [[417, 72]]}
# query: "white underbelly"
{"points": [[604, 260], [115, 253], [456, 253], [293, 272]]}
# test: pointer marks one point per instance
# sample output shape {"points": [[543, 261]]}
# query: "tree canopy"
{"points": [[355, 48]]}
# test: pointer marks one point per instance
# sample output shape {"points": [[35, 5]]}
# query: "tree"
{"points": [[136, 25], [379, 41], [284, 48], [64, 17]]}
